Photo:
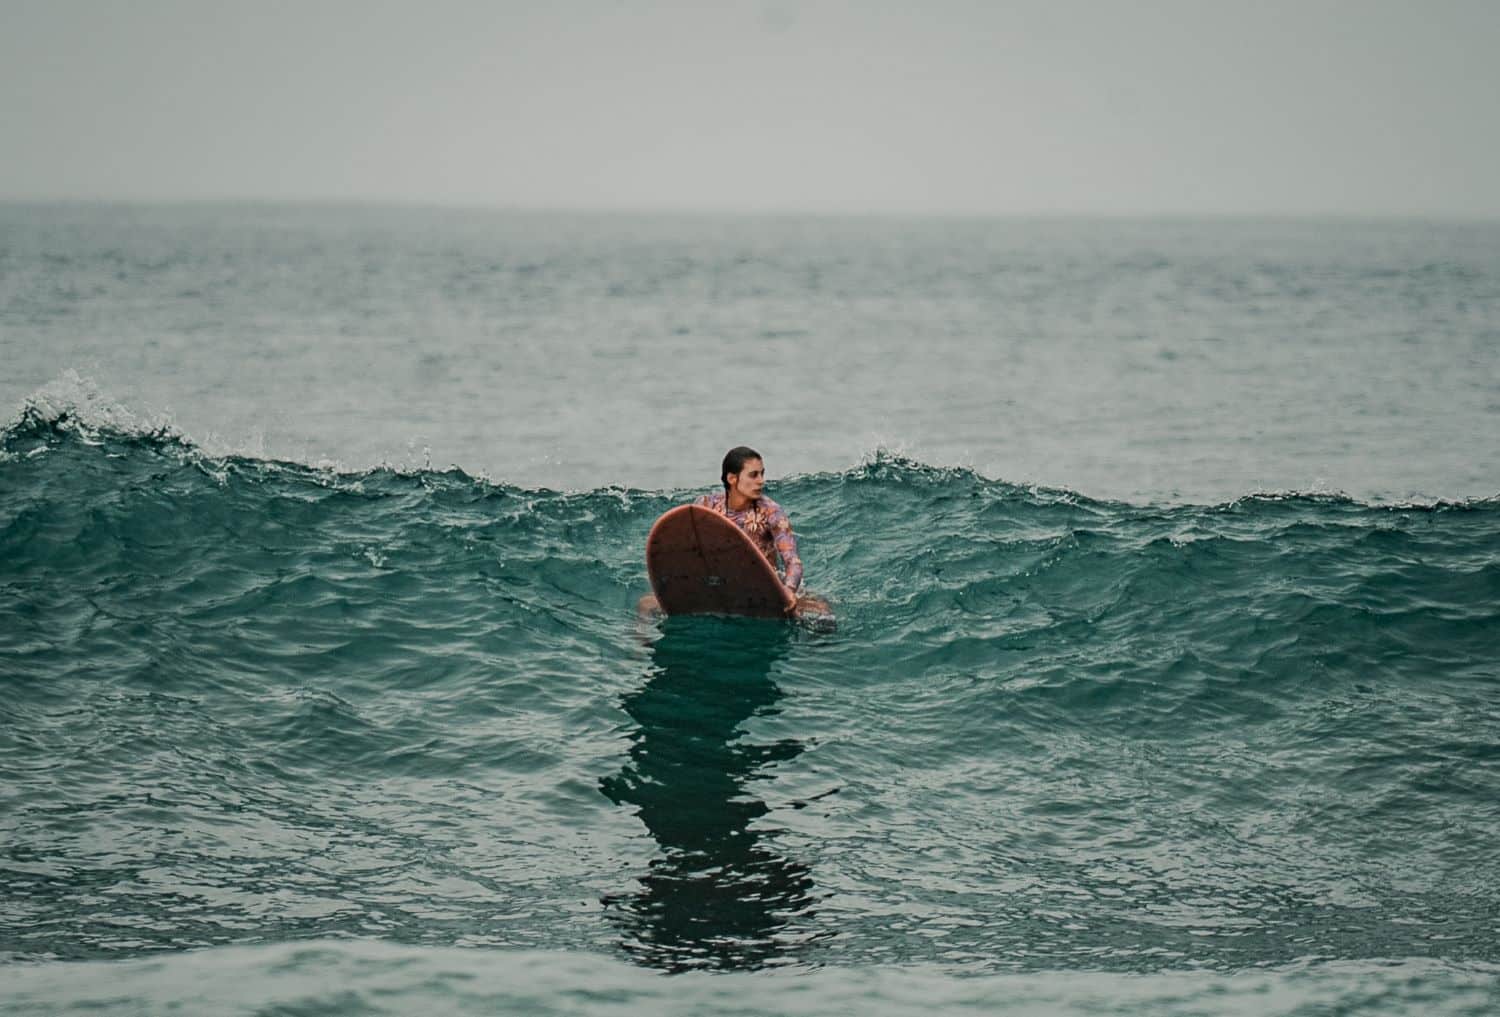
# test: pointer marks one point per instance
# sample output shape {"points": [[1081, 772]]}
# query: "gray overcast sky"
{"points": [[1152, 106]]}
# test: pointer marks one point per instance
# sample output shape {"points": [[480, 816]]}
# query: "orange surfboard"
{"points": [[700, 563]]}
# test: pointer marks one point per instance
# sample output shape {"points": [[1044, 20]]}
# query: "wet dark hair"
{"points": [[735, 460]]}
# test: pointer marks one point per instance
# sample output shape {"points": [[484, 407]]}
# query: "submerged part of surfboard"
{"points": [[701, 563]]}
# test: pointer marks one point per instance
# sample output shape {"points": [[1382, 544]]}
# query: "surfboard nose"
{"points": [[700, 563]]}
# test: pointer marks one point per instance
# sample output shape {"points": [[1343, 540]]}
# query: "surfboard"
{"points": [[701, 563]]}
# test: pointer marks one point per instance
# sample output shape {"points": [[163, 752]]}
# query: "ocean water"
{"points": [[1166, 558], [1142, 361]]}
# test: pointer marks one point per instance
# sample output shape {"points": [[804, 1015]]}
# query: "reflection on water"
{"points": [[718, 895]]}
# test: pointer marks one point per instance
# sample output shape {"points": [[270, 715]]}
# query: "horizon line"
{"points": [[1445, 216]]}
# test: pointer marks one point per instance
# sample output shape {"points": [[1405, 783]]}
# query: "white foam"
{"points": [[78, 403]]}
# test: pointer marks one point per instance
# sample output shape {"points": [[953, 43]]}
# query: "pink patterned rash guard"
{"points": [[768, 528]]}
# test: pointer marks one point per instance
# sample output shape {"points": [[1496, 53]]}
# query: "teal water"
{"points": [[1063, 754], [1143, 361], [1166, 557]]}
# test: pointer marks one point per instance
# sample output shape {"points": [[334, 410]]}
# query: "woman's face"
{"points": [[748, 482]]}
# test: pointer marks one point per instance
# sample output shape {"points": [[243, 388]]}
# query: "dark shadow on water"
{"points": [[718, 896]]}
